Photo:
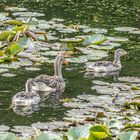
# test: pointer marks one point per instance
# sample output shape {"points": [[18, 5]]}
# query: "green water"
{"points": [[102, 14]]}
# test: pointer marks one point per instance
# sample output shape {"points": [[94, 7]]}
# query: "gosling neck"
{"points": [[58, 67], [28, 86], [117, 59]]}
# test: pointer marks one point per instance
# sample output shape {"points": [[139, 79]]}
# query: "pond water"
{"points": [[102, 14]]}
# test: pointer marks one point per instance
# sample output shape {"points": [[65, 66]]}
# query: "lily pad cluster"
{"points": [[27, 41], [117, 105]]}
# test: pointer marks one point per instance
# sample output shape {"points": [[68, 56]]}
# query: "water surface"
{"points": [[101, 14]]}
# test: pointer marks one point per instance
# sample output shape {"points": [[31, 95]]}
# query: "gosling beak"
{"points": [[11, 105], [65, 62], [125, 53]]}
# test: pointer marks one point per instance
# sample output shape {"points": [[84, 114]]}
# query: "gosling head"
{"points": [[59, 58], [120, 52]]}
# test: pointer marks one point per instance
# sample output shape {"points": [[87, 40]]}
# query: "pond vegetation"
{"points": [[94, 106]]}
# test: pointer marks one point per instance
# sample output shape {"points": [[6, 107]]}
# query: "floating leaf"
{"points": [[3, 70], [28, 14], [18, 47], [95, 39], [48, 136], [11, 137], [14, 49], [22, 28], [99, 132], [128, 135], [8, 75], [32, 69], [129, 79], [112, 44], [71, 40], [126, 29], [101, 47], [66, 30], [135, 32], [14, 22], [95, 30], [4, 35], [76, 133], [4, 128], [15, 9], [2, 16], [118, 39], [1, 53], [77, 60], [93, 52]]}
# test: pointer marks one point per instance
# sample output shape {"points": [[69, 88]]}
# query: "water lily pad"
{"points": [[2, 16], [24, 54], [59, 26], [52, 38], [4, 128], [40, 59], [129, 79], [18, 46], [28, 14], [32, 69], [48, 136], [122, 86], [77, 60], [15, 9], [99, 132], [55, 125], [4, 35], [71, 40], [8, 136], [66, 30], [78, 105], [76, 133], [87, 30], [111, 44], [50, 53], [2, 70], [24, 130], [95, 30], [108, 47], [118, 39], [12, 65], [101, 83], [58, 19], [105, 89], [126, 29], [95, 39], [128, 135], [25, 62], [8, 75], [82, 36], [44, 25], [91, 57], [135, 32], [74, 119], [56, 46], [88, 114], [93, 52], [13, 22]]}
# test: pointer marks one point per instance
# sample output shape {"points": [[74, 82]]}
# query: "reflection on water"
{"points": [[25, 111], [92, 75]]}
